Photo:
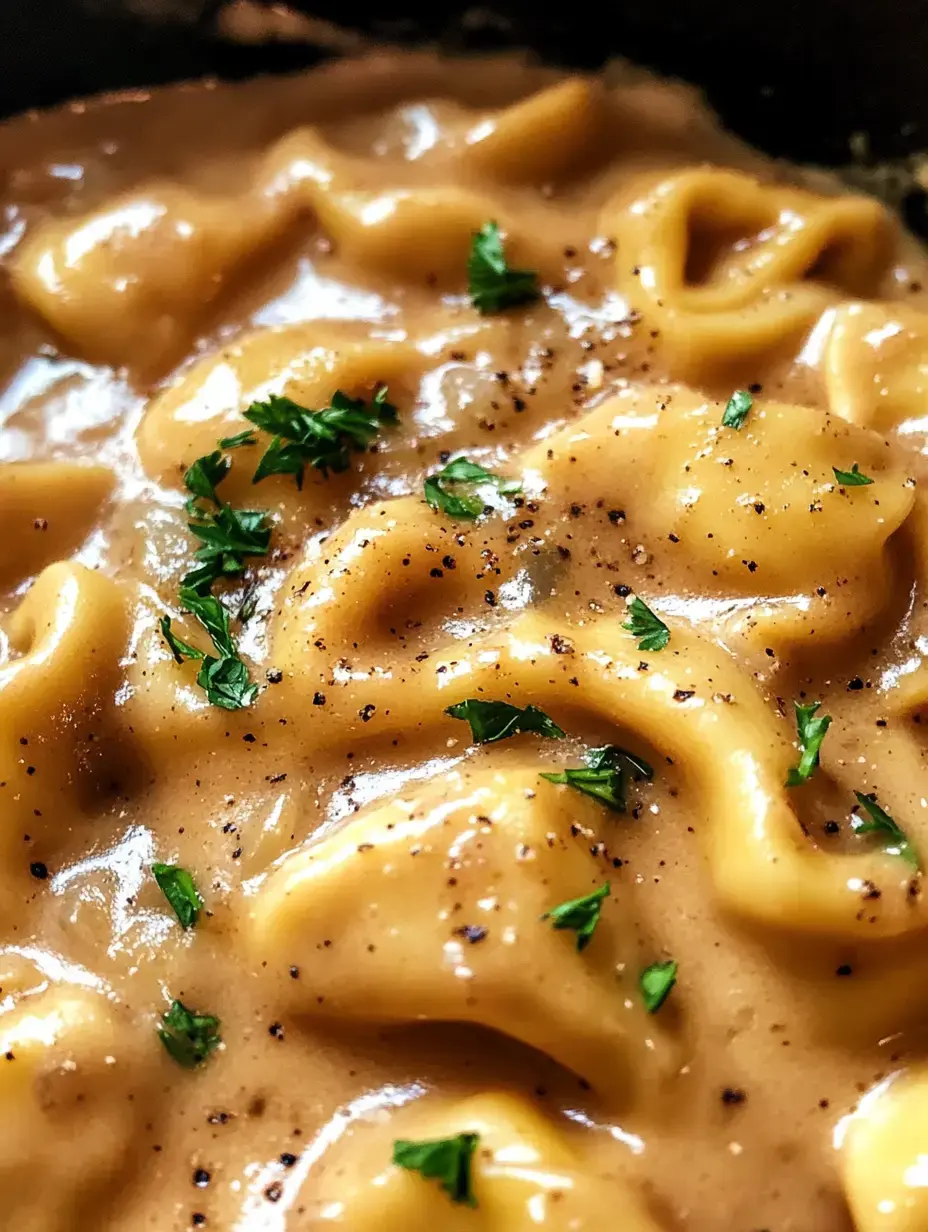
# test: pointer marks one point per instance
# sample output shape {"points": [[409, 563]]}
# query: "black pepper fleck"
{"points": [[732, 1096]]}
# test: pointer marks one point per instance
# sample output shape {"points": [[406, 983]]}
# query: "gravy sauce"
{"points": [[374, 883]]}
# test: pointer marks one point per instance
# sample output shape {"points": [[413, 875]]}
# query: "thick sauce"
{"points": [[373, 932]]}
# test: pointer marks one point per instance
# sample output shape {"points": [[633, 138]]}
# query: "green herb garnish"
{"points": [[189, 1037], [895, 839], [241, 438], [604, 776], [655, 983], [491, 721], [456, 489], [213, 616], [321, 439], [178, 888], [643, 624], [223, 676], [811, 734], [737, 409], [491, 284], [226, 535], [205, 475], [852, 478], [446, 1160], [580, 914]]}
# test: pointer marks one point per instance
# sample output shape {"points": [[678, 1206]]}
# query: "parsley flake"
{"points": [[644, 624], [895, 840], [321, 439], [492, 721], [226, 682], [223, 677], [456, 489], [580, 914], [604, 776], [737, 409], [491, 284], [811, 734], [179, 889], [655, 983], [187, 1036], [241, 438], [205, 474], [226, 535], [446, 1160], [852, 478]]}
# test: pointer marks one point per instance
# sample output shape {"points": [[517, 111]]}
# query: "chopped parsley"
{"points": [[492, 721], [446, 1160], [811, 734], [226, 535], [179, 889], [456, 489], [187, 1036], [644, 624], [737, 409], [241, 438], [655, 983], [894, 839], [205, 475], [604, 776], [223, 676], [580, 914], [321, 439], [491, 284], [852, 478]]}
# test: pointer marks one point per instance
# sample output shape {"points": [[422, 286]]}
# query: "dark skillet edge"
{"points": [[798, 79]]}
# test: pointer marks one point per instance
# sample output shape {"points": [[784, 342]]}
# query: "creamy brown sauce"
{"points": [[373, 883]]}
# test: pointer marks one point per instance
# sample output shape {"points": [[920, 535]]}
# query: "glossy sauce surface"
{"points": [[374, 884]]}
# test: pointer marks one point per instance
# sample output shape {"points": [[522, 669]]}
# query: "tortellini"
{"points": [[524, 1176], [728, 268], [724, 511], [131, 282], [748, 498], [47, 509], [689, 704], [539, 138], [128, 283], [393, 572], [302, 362], [885, 1156], [875, 364], [410, 234], [71, 1103], [68, 637], [431, 908], [720, 510]]}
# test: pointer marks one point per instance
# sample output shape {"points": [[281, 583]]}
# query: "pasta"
{"points": [[875, 366], [48, 509], [884, 1162], [68, 1060], [462, 693], [540, 139], [523, 1173], [512, 854], [729, 266], [67, 632]]}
